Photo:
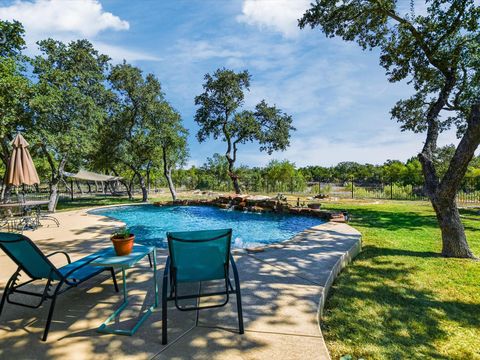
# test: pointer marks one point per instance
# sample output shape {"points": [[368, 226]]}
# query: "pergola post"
{"points": [[71, 189]]}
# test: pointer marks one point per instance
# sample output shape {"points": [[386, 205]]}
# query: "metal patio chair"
{"points": [[199, 256]]}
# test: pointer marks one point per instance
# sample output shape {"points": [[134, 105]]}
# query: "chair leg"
{"points": [[2, 303], [239, 297], [49, 319], [7, 289], [164, 305], [150, 260], [240, 311], [114, 278], [4, 296]]}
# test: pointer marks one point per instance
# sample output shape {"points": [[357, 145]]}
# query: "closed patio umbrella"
{"points": [[21, 169]]}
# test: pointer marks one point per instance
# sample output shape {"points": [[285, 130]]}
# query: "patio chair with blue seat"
{"points": [[37, 266], [199, 256]]}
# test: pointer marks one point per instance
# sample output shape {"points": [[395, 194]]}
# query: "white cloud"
{"points": [[203, 50], [68, 20], [118, 53], [277, 15], [83, 17]]}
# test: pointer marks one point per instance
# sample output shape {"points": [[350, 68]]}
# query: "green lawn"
{"points": [[400, 299], [88, 202]]}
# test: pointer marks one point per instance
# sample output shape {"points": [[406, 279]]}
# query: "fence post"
{"points": [[353, 191]]}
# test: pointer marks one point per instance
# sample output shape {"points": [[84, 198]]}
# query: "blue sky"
{"points": [[337, 94]]}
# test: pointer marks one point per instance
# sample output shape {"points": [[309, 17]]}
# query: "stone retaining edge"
{"points": [[341, 263]]}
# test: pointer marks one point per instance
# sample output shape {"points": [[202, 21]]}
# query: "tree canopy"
{"points": [[220, 115], [438, 53], [67, 103]]}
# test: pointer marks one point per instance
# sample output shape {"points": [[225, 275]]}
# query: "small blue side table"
{"points": [[110, 259]]}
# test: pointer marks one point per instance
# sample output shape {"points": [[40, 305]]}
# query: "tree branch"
{"points": [[417, 35], [463, 155], [455, 24], [49, 159], [433, 130]]}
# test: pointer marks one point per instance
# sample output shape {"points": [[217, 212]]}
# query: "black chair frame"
{"points": [[169, 277]]}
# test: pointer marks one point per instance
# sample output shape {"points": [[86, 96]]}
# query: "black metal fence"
{"points": [[355, 189], [469, 192]]}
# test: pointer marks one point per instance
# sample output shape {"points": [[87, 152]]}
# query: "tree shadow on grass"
{"points": [[390, 220], [373, 252], [377, 306]]}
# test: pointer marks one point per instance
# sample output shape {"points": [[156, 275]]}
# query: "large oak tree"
{"points": [[439, 54], [143, 132], [15, 89], [219, 115], [68, 104]]}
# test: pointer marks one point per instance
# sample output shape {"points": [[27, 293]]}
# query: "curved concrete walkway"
{"points": [[283, 291]]}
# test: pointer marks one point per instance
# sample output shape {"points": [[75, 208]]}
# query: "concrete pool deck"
{"points": [[283, 291]]}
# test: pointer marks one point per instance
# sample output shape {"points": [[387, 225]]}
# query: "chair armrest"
{"points": [[60, 252]]}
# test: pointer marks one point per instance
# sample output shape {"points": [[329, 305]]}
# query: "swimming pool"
{"points": [[150, 223]]}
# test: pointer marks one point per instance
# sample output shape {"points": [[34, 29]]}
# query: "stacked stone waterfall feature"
{"points": [[262, 204]]}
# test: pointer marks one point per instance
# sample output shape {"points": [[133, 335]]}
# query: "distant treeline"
{"points": [[285, 176]]}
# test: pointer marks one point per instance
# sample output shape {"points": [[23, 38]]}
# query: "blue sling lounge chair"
{"points": [[197, 256], [37, 266]]}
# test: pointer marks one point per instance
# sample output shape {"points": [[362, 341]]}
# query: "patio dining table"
{"points": [[27, 221]]}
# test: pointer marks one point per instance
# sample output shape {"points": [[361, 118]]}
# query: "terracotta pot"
{"points": [[123, 246]]}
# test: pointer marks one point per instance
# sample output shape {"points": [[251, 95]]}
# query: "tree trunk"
{"points": [[171, 186], [56, 178], [144, 188], [442, 193], [167, 172], [52, 205], [148, 178], [129, 192], [454, 241], [233, 176]]}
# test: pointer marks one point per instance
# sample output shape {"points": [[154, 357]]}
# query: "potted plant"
{"points": [[123, 241]]}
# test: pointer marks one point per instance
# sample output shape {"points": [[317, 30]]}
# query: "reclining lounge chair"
{"points": [[37, 266]]}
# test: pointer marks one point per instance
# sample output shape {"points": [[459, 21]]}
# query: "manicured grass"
{"points": [[82, 203], [88, 202], [400, 299]]}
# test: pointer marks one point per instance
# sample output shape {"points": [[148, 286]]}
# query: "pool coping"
{"points": [[343, 260]]}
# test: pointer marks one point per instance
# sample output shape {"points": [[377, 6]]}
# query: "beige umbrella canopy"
{"points": [[21, 169]]}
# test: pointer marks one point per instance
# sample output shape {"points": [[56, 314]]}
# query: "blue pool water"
{"points": [[150, 223]]}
